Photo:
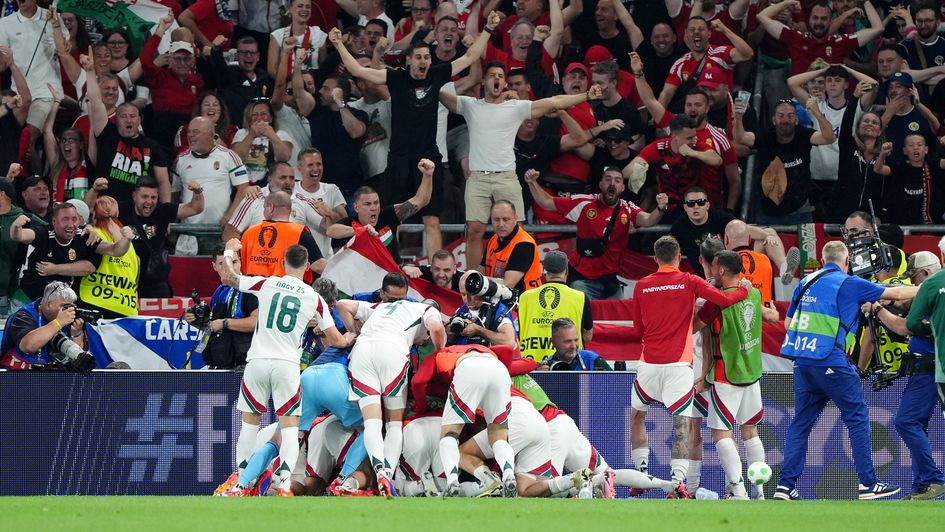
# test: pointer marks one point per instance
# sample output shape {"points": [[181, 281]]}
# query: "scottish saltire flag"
{"points": [[362, 264], [137, 16], [146, 342]]}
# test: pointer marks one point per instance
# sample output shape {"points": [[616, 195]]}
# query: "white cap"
{"points": [[182, 46], [81, 208]]}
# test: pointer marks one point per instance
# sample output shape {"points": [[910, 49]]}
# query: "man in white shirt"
{"points": [[493, 122], [367, 10], [312, 188], [218, 169]]}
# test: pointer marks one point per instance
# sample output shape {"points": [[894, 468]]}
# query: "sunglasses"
{"points": [[693, 203]]}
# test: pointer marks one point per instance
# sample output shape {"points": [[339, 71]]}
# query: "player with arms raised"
{"points": [[378, 366], [286, 306]]}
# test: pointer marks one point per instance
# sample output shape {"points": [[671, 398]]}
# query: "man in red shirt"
{"points": [[596, 265], [662, 308], [678, 160], [174, 89], [805, 48]]}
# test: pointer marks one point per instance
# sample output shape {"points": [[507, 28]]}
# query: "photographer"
{"points": [[45, 334], [918, 398], [230, 320], [479, 321], [568, 355], [823, 312]]}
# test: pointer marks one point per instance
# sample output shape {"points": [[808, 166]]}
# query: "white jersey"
{"points": [[400, 322], [825, 160], [286, 305], [328, 444]]}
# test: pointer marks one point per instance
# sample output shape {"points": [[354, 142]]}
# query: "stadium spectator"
{"points": [[927, 47], [905, 114], [126, 66], [554, 299], [375, 102], [785, 157], [511, 256], [208, 20], [239, 84], [484, 323], [601, 237], [297, 35], [613, 106], [13, 113], [66, 159], [568, 356], [757, 260], [422, 18], [313, 188], [701, 222], [261, 142], [209, 106], [368, 10], [441, 271], [35, 194], [659, 54], [259, 19], [45, 333], [915, 195], [383, 222], [11, 251], [231, 322], [214, 167], [113, 288]]}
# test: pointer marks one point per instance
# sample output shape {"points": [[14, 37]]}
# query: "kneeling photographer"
{"points": [[230, 320], [48, 334], [485, 318], [919, 396]]}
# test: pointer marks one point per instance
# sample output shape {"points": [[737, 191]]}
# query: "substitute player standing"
{"points": [[378, 367], [662, 308], [286, 305], [732, 366]]}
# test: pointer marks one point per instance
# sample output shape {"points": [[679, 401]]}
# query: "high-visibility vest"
{"points": [[758, 270], [114, 284], [264, 246], [538, 308], [497, 259]]}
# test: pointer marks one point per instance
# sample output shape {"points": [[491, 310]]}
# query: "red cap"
{"points": [[597, 54], [577, 66], [709, 80]]}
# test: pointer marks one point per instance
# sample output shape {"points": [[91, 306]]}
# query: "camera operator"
{"points": [[230, 320], [45, 334], [918, 398], [823, 312], [480, 321], [568, 355], [889, 344]]}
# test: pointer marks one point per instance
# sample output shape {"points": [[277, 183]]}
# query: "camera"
{"points": [[75, 358], [868, 254], [200, 309], [559, 365], [478, 284], [456, 325], [90, 316]]}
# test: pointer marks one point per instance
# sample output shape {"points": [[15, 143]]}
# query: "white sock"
{"points": [[631, 478], [560, 485], [245, 444], [641, 458], [374, 442], [755, 452], [393, 443], [289, 453], [470, 489], [731, 463], [505, 457], [413, 488], [602, 466], [680, 468], [484, 475], [782, 268], [694, 476], [449, 457]]}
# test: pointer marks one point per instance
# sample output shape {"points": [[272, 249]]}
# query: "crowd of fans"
{"points": [[536, 105]]}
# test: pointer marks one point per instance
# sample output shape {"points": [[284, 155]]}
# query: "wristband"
{"points": [[488, 30], [226, 324], [56, 322], [228, 254], [638, 75]]}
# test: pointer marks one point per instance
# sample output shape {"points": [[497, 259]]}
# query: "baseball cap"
{"points": [[901, 77], [710, 83], [80, 207], [181, 46], [577, 66], [617, 134], [6, 186], [597, 54], [555, 262], [922, 260]]}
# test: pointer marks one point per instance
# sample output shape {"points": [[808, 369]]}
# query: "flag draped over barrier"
{"points": [[146, 342]]}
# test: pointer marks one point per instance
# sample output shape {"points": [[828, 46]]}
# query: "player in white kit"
{"points": [[286, 305], [378, 367]]}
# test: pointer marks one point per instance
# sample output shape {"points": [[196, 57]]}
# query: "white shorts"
{"points": [[529, 438], [570, 450], [700, 405], [670, 385], [731, 404], [269, 377], [480, 382], [375, 371], [39, 111], [328, 444], [421, 448]]}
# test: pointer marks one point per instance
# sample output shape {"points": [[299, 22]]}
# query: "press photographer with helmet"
{"points": [[485, 318], [230, 320], [47, 335]]}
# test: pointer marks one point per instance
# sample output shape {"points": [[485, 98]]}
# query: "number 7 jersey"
{"points": [[286, 305]]}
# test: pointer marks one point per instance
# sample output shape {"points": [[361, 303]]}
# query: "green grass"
{"points": [[433, 515]]}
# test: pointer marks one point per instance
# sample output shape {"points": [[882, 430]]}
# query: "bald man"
{"points": [[263, 245], [758, 261]]}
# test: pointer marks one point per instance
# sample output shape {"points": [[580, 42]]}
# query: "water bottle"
{"points": [[706, 494]]}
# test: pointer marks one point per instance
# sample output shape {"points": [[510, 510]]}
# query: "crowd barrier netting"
{"points": [[174, 433]]}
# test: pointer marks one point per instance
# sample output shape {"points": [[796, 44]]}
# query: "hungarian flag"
{"points": [[364, 261], [136, 16]]}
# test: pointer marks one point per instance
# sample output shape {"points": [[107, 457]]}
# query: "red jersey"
{"points": [[82, 123], [662, 308], [504, 30], [592, 217], [675, 174], [710, 138], [569, 163], [212, 20], [494, 54], [168, 94], [435, 373], [718, 67], [717, 38], [805, 49], [627, 88]]}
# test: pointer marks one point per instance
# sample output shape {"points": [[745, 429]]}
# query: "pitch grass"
{"points": [[435, 515]]}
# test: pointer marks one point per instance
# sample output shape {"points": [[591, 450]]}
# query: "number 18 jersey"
{"points": [[286, 305]]}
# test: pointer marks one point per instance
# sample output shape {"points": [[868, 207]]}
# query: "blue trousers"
{"points": [[912, 423], [813, 387], [325, 388]]}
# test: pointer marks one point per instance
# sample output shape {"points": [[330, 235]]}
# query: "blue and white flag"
{"points": [[146, 342]]}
